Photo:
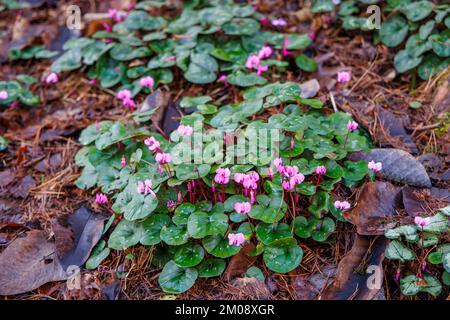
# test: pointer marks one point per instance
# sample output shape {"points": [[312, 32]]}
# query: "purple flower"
{"points": [[265, 52], [147, 82], [236, 239], [4, 95], [344, 205], [124, 94], [242, 207], [375, 167], [128, 102], [422, 222], [163, 158], [152, 143], [101, 198], [352, 126], [239, 177], [145, 187], [123, 162], [253, 62], [222, 175], [343, 77], [185, 130], [280, 22], [51, 78], [321, 170], [288, 185]]}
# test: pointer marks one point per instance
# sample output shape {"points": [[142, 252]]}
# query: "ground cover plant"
{"points": [[220, 145]]}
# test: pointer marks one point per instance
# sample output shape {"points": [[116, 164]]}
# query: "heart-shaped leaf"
{"points": [[174, 279]]}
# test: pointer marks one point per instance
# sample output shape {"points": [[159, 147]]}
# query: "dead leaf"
{"points": [[352, 278], [6, 177], [398, 166], [394, 127], [376, 203], [250, 288], [9, 221], [28, 263], [309, 88], [76, 235], [22, 188], [413, 203], [240, 262]]}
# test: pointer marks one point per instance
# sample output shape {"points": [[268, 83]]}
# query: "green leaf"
{"points": [[417, 11], [438, 223], [218, 246], [393, 31], [182, 213], [319, 204], [322, 6], [431, 66], [269, 233], [175, 279], [241, 26], [323, 229], [441, 45], [202, 69], [188, 102], [403, 61], [211, 268], [69, 61], [397, 251], [408, 231], [174, 235], [188, 255], [283, 255], [305, 63], [412, 285], [245, 79], [124, 52], [125, 235], [201, 224], [255, 272], [426, 29], [152, 228], [99, 253]]}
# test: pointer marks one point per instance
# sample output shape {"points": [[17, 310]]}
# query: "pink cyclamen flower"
{"points": [[321, 170], [128, 102], [163, 158], [253, 62], [343, 77], [101, 198], [337, 2], [312, 36], [145, 187], [239, 177], [222, 175], [147, 82], [265, 52], [289, 171], [264, 20], [280, 22], [375, 167], [250, 182], [51, 78], [284, 51], [422, 222], [278, 162], [124, 94], [171, 58], [123, 162], [4, 95], [352, 126], [107, 27], [185, 130], [112, 13], [341, 205], [262, 69], [236, 239], [297, 178], [152, 143], [269, 173], [242, 207], [288, 185], [223, 78]]}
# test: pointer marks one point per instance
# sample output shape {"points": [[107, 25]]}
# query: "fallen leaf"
{"points": [[303, 289], [22, 188], [15, 220], [394, 127], [398, 166], [28, 263], [111, 291], [376, 203], [77, 235], [6, 177], [309, 88], [413, 203], [355, 278], [240, 262], [250, 288]]}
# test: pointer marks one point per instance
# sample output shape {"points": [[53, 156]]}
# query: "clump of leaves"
{"points": [[421, 29], [208, 39], [189, 224], [409, 239], [19, 91]]}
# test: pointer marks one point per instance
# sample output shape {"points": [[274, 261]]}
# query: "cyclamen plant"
{"points": [[198, 214], [428, 236]]}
